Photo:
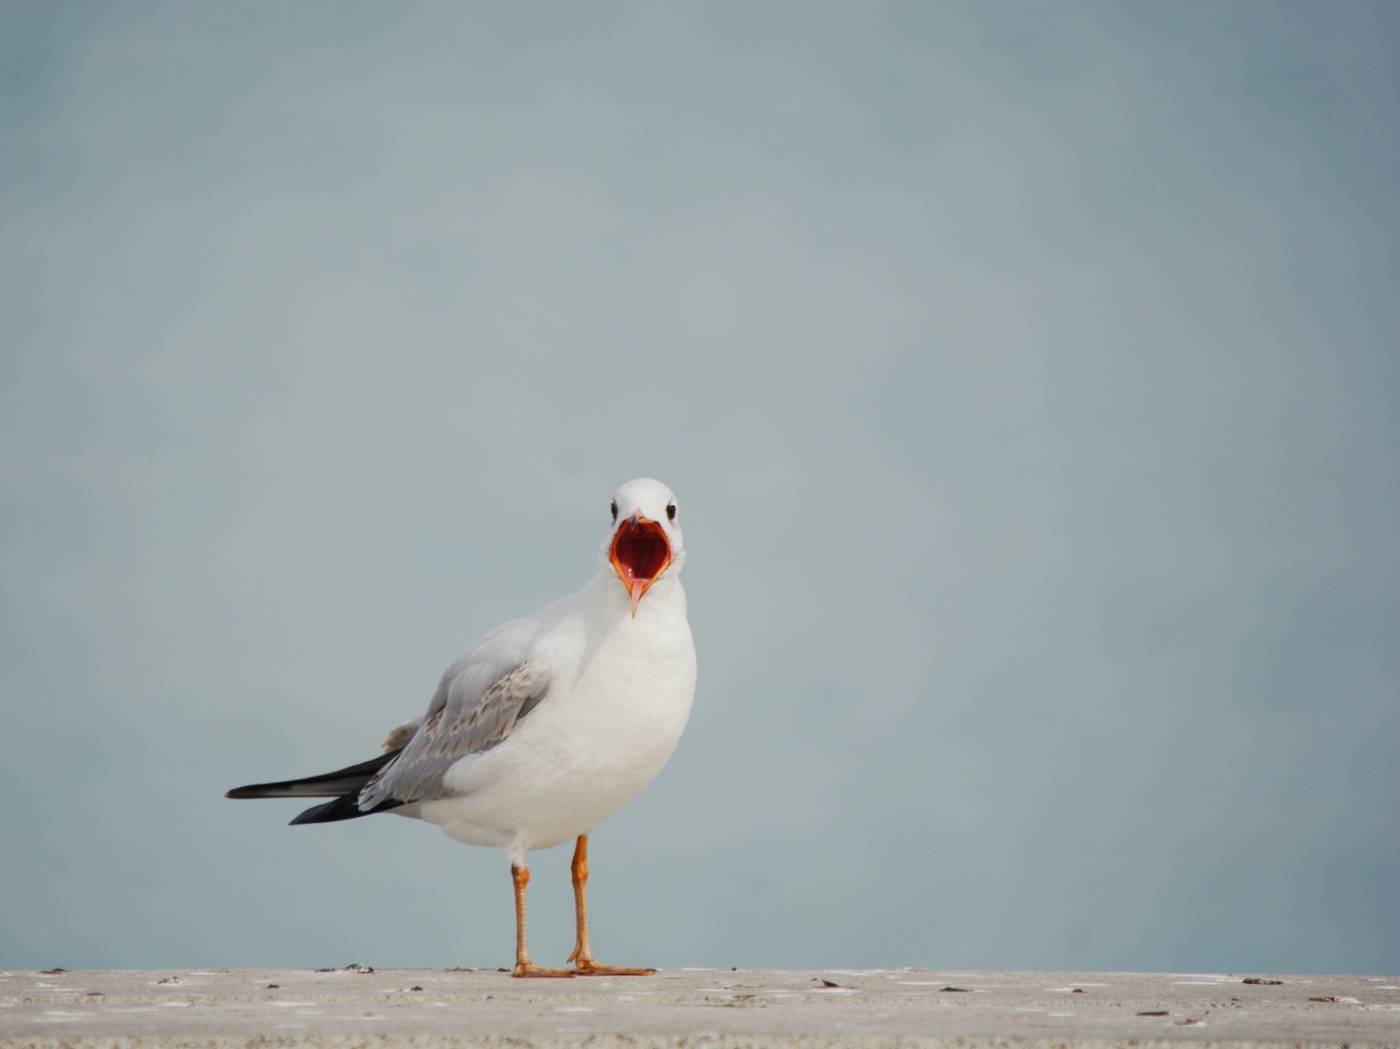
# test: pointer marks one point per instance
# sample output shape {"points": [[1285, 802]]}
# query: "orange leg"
{"points": [[523, 966], [582, 957]]}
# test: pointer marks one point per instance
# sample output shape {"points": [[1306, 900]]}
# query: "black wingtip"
{"points": [[342, 786], [342, 808], [327, 785]]}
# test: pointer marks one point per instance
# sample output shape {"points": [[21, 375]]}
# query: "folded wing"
{"points": [[453, 729], [475, 708]]}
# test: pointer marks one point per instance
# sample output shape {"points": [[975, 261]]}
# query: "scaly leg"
{"points": [[582, 957], [520, 874]]}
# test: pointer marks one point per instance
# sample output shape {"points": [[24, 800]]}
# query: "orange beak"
{"points": [[640, 553]]}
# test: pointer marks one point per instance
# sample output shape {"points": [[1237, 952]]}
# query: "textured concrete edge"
{"points": [[621, 1041]]}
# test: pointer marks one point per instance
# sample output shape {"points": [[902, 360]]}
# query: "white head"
{"points": [[646, 538]]}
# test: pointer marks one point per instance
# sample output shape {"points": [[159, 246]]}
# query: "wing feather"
{"points": [[456, 726]]}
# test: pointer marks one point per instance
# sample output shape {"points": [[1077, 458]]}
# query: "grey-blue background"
{"points": [[1027, 373]]}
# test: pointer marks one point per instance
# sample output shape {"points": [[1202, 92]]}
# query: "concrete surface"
{"points": [[358, 1007]]}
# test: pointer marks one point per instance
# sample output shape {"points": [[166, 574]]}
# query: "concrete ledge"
{"points": [[358, 1007]]}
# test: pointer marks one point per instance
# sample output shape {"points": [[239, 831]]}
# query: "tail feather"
{"points": [[342, 785]]}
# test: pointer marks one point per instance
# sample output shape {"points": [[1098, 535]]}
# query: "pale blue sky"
{"points": [[1027, 374]]}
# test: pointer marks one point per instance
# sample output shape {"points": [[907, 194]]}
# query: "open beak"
{"points": [[640, 553]]}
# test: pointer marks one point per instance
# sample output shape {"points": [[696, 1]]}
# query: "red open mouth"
{"points": [[640, 553]]}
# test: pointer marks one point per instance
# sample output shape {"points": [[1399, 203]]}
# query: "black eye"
{"points": [[614, 510], [670, 511]]}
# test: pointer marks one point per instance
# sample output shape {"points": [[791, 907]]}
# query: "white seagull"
{"points": [[547, 725]]}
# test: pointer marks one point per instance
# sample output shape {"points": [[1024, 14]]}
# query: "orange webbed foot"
{"points": [[529, 970], [592, 968]]}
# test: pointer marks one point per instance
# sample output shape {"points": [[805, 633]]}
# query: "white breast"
{"points": [[619, 698]]}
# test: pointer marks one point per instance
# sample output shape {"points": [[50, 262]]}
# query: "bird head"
{"points": [[646, 536]]}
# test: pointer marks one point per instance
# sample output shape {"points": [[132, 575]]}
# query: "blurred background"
{"points": [[1027, 374]]}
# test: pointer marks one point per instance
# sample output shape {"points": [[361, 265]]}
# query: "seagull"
{"points": [[547, 725]]}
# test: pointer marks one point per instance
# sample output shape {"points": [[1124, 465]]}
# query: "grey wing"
{"points": [[455, 726]]}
